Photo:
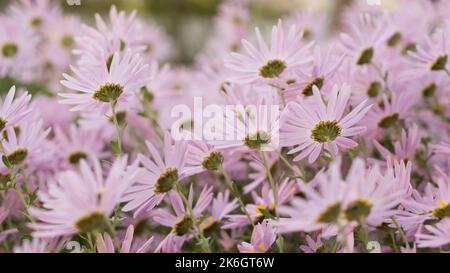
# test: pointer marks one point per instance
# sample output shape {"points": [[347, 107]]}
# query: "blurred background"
{"points": [[189, 22]]}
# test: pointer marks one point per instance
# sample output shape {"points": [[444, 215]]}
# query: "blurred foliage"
{"points": [[187, 22], [32, 87]]}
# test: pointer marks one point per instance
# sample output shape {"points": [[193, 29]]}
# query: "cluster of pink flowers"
{"points": [[357, 155]]}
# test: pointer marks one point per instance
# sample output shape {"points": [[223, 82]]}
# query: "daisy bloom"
{"points": [[264, 64], [182, 223], [389, 112], [78, 144], [36, 13], [321, 73], [220, 209], [202, 157], [80, 201], [25, 145], [432, 56], [157, 176], [321, 124], [13, 110], [371, 196], [106, 245], [17, 49], [322, 205], [312, 245], [97, 86], [264, 203], [99, 44], [253, 127], [434, 235], [441, 148], [36, 245], [365, 40], [263, 237], [404, 149], [431, 205]]}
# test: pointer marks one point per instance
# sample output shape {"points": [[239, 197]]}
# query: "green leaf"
{"points": [[328, 244], [425, 141], [267, 214], [280, 243], [235, 189], [6, 161], [115, 146]]}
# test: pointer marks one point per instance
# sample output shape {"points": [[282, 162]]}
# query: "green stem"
{"points": [[235, 193], [330, 150], [197, 233], [289, 165], [447, 71], [400, 230], [365, 233], [271, 181], [119, 131], [21, 195], [394, 242]]}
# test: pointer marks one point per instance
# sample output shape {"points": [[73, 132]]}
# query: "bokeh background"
{"points": [[189, 22]]}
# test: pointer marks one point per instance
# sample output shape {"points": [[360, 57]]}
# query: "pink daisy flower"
{"points": [[404, 149], [18, 49], [263, 237], [434, 235], [363, 196], [202, 157], [433, 54], [311, 246], [389, 113], [60, 41], [105, 244], [181, 223], [365, 40], [78, 144], [441, 148], [220, 209], [36, 13], [101, 43], [255, 127], [25, 146], [12, 111], [321, 124], [321, 73], [97, 86], [80, 201], [264, 202], [372, 196], [264, 64], [35, 245], [157, 176], [432, 204]]}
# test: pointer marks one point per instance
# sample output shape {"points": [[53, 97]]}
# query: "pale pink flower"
{"points": [[263, 237], [106, 245], [157, 176], [13, 110], [264, 64], [98, 85], [80, 201], [321, 124], [434, 235]]}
